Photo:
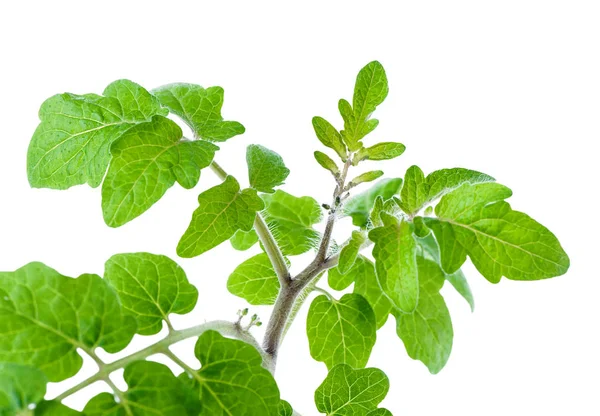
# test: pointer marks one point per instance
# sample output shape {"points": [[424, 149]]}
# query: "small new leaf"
{"points": [[200, 109], [341, 332], [365, 177], [327, 163], [370, 90], [329, 136], [71, 144], [266, 169], [223, 210], [147, 160], [150, 287], [367, 285], [350, 392], [380, 151]]}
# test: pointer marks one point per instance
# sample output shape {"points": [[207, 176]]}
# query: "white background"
{"points": [[509, 88]]}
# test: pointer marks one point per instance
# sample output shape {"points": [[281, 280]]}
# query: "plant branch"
{"points": [[224, 327], [265, 236]]}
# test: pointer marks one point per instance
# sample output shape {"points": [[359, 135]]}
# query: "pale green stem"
{"points": [[226, 328]]}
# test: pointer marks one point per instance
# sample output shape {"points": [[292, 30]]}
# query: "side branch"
{"points": [[265, 236]]}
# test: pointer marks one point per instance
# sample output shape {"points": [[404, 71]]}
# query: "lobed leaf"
{"points": [[152, 389], [45, 317], [419, 190], [150, 288], [341, 332], [71, 144], [147, 160], [231, 380], [223, 210], [350, 392], [266, 169], [395, 262], [200, 109], [427, 332], [499, 240], [367, 285], [243, 240]]}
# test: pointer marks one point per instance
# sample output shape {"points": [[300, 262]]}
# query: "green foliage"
{"points": [[349, 392], [150, 288], [231, 379], [20, 386], [147, 160], [71, 144], [499, 240], [223, 210], [265, 168], [200, 109], [359, 206], [341, 332], [49, 321], [46, 316], [255, 280]]}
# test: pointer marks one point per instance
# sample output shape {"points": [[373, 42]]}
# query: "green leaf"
{"points": [[370, 90], [20, 386], [147, 160], [329, 136], [427, 332], [327, 163], [380, 151], [266, 169], [243, 240], [419, 191], [150, 287], [349, 392], [350, 251], [499, 240], [231, 380], [457, 279], [359, 206], [153, 389], [291, 219], [54, 408], [71, 144], [45, 317], [365, 177], [285, 409], [200, 109], [452, 254], [380, 412], [395, 262], [223, 210], [367, 285], [341, 332], [255, 280]]}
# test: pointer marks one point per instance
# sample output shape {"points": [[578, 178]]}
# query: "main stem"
{"points": [[289, 290]]}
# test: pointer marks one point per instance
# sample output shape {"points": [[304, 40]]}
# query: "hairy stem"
{"points": [[226, 328]]}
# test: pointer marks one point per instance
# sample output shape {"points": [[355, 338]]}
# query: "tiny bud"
{"points": [[259, 323], [245, 312], [326, 206]]}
